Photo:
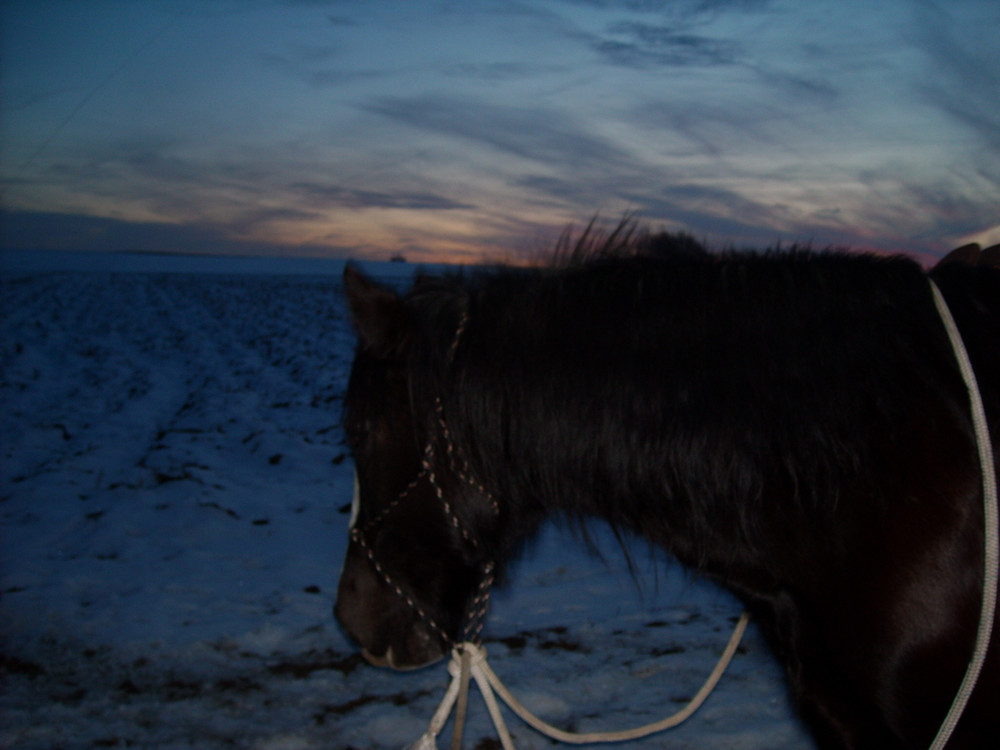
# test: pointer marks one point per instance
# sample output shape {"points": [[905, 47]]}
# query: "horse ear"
{"points": [[991, 257], [968, 255], [379, 315]]}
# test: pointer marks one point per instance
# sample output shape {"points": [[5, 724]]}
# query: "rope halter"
{"points": [[474, 617]]}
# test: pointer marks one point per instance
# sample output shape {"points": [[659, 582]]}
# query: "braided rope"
{"points": [[991, 555], [475, 616], [462, 471], [391, 582], [470, 659]]}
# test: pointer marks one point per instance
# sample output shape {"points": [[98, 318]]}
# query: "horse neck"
{"points": [[580, 418]]}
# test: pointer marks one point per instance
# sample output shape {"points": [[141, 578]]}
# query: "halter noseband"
{"points": [[475, 615]]}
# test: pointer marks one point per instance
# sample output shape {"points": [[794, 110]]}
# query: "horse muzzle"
{"points": [[404, 662], [390, 632]]}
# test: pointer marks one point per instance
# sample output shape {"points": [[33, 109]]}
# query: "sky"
{"points": [[479, 129]]}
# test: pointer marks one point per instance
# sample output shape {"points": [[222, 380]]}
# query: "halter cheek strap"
{"points": [[360, 537], [475, 615]]}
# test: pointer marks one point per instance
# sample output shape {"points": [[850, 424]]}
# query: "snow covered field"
{"points": [[173, 500]]}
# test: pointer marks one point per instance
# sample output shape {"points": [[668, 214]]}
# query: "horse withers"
{"points": [[792, 425]]}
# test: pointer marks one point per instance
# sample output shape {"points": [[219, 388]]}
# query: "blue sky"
{"points": [[480, 128]]}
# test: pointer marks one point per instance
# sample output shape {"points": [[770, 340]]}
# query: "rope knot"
{"points": [[475, 652]]}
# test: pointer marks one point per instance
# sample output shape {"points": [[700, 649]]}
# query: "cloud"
{"points": [[251, 222], [54, 231], [934, 212], [538, 134], [318, 67], [166, 177], [563, 192], [500, 71], [337, 196], [35, 230], [669, 6], [963, 77], [341, 20], [679, 38], [640, 45], [723, 214]]}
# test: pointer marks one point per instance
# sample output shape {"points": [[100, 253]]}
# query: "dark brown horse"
{"points": [[793, 425]]}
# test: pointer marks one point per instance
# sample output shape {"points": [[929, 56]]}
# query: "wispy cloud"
{"points": [[57, 231], [953, 55], [320, 68], [539, 134], [338, 196], [642, 45], [386, 125], [496, 72], [672, 7], [715, 211]]}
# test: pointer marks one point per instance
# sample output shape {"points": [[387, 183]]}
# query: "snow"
{"points": [[174, 499]]}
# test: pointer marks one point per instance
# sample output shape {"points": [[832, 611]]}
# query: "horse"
{"points": [[791, 424]]}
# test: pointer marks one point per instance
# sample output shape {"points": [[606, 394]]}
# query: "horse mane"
{"points": [[628, 238], [443, 298], [641, 300]]}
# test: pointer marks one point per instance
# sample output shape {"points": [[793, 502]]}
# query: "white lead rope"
{"points": [[990, 522], [472, 657]]}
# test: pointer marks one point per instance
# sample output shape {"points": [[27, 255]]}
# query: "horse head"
{"points": [[412, 568]]}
